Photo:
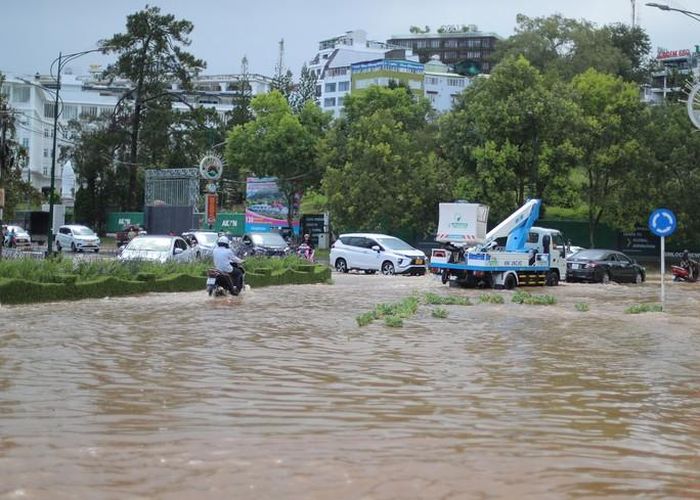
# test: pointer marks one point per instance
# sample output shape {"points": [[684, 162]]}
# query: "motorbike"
{"points": [[687, 273], [305, 252], [216, 282]]}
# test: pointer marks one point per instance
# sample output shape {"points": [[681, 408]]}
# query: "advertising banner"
{"points": [[266, 206]]}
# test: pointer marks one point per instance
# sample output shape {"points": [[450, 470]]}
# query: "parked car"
{"points": [[22, 238], [77, 239], [603, 266], [158, 249], [376, 252], [267, 244], [203, 242]]}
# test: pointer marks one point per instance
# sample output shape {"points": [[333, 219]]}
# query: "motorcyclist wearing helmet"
{"points": [[224, 258], [306, 248], [689, 265]]}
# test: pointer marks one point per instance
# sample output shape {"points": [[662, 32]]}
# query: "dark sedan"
{"points": [[603, 266], [265, 244]]}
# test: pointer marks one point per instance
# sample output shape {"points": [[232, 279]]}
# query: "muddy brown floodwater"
{"points": [[282, 395]]}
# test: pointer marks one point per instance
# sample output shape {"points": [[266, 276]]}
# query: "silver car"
{"points": [[157, 249], [203, 242]]}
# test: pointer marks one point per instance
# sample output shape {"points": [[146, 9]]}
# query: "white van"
{"points": [[371, 252]]}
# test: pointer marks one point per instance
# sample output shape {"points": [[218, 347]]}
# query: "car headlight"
{"points": [[400, 261]]}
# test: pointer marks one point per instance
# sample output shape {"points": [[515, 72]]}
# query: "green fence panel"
{"points": [[117, 220], [230, 223], [577, 232]]}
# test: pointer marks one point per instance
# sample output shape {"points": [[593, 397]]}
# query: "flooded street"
{"points": [[282, 395]]}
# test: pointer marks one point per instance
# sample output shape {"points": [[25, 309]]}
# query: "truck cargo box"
{"points": [[462, 223]]}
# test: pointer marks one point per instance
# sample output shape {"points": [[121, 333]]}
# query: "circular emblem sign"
{"points": [[211, 167], [662, 222]]}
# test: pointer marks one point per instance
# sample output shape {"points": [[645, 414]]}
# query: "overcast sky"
{"points": [[33, 31]]}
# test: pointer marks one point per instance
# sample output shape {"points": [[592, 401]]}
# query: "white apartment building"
{"points": [[82, 98], [337, 56]]}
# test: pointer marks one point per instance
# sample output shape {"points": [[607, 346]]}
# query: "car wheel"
{"points": [[388, 268], [341, 266], [605, 278], [73, 248], [509, 282], [638, 278]]}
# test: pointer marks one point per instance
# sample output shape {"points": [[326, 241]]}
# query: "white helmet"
{"points": [[223, 240]]}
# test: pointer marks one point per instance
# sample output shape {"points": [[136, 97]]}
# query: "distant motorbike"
{"points": [[305, 252], [685, 273], [216, 282]]}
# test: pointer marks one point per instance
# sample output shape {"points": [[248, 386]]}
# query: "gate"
{"points": [[171, 197]]}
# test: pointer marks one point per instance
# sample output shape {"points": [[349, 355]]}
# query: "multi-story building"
{"points": [[85, 98], [673, 69], [334, 59], [465, 49], [349, 63]]}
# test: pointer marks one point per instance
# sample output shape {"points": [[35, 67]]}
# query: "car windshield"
{"points": [[83, 231], [150, 245], [17, 230], [592, 254], [206, 238], [395, 244], [268, 239]]}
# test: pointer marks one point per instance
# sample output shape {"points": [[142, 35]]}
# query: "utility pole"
{"points": [[634, 13]]}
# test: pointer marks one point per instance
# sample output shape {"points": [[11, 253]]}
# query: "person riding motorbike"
{"points": [[689, 265], [226, 262], [306, 248]]}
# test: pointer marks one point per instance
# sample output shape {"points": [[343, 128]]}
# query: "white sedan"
{"points": [[157, 249]]}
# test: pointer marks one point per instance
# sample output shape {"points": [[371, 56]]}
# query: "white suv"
{"points": [[376, 252], [77, 239]]}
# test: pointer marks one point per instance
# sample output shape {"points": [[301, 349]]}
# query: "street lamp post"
{"points": [[60, 62], [693, 15]]}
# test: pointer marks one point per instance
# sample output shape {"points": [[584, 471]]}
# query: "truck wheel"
{"points": [[445, 276], [551, 278], [509, 283]]}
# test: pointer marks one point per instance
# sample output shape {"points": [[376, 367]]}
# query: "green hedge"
{"points": [[20, 291]]}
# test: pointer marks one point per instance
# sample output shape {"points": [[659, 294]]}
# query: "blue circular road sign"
{"points": [[662, 222]]}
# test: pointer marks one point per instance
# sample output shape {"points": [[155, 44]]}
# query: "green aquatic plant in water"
{"points": [[490, 298], [446, 300], [439, 312], [582, 307], [644, 308], [521, 297], [398, 310]]}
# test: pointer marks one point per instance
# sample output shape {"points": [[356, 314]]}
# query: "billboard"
{"points": [[266, 206]]}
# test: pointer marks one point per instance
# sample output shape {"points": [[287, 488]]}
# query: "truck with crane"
{"points": [[514, 253]]}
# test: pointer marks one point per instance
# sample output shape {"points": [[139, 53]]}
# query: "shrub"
{"points": [[397, 311], [393, 321], [365, 318], [491, 298], [644, 308], [582, 307]]}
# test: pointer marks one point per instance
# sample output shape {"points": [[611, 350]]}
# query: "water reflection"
{"points": [[283, 396]]}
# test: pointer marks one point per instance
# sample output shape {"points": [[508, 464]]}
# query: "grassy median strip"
{"points": [[27, 281]]}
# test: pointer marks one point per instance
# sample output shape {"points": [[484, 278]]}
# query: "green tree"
{"points": [[12, 155], [241, 101], [150, 55], [508, 139], [562, 47], [279, 143], [305, 90], [608, 134], [383, 172]]}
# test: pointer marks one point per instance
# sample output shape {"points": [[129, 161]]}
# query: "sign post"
{"points": [[211, 209], [662, 222]]}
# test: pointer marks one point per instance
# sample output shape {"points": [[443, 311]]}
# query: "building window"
{"points": [[341, 101], [25, 142], [432, 96], [432, 80], [343, 86], [20, 94], [451, 43], [343, 70], [330, 87], [46, 152], [318, 90], [47, 133], [88, 112], [45, 170], [455, 82], [70, 112], [435, 44], [329, 102], [48, 109]]}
